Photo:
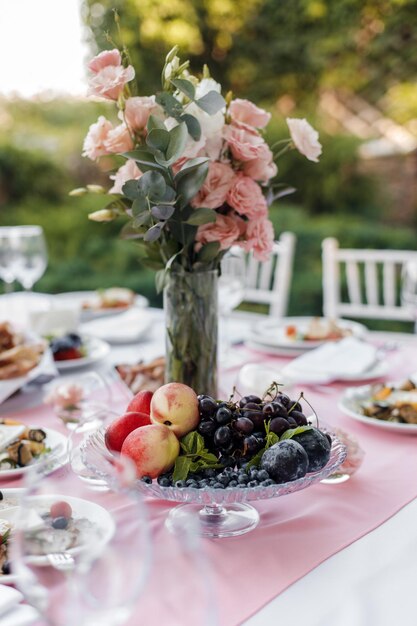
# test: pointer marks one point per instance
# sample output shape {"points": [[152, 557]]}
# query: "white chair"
{"points": [[372, 282], [269, 282]]}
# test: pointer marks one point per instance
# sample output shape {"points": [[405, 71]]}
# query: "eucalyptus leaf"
{"points": [[153, 185], [189, 166], [177, 141], [154, 232], [155, 122], [190, 184], [144, 159], [129, 231], [162, 211], [209, 252], [169, 195], [131, 189], [212, 102], [193, 125], [158, 139], [160, 280], [142, 219], [139, 204], [170, 104], [201, 216], [185, 86]]}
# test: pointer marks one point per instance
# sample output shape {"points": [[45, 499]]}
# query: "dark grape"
{"points": [[280, 408], [292, 422], [284, 399], [249, 399], [206, 428], [279, 425], [250, 444], [208, 406], [244, 425], [223, 415], [222, 436], [226, 461], [256, 417], [294, 406], [299, 417], [268, 409]]}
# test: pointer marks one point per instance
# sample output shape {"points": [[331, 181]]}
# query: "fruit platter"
{"points": [[72, 350], [214, 456]]}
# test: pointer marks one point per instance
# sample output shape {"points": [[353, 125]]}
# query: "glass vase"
{"points": [[190, 303]]}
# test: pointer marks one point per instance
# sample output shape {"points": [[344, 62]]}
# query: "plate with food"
{"points": [[294, 335], [390, 406], [103, 302], [54, 524], [21, 358], [72, 350], [22, 446]]}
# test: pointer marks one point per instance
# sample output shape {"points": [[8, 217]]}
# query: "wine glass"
{"points": [[409, 289], [231, 291], [7, 267], [79, 557], [29, 254]]}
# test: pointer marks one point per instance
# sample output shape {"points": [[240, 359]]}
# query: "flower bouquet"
{"points": [[197, 179]]}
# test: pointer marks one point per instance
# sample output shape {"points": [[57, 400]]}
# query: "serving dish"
{"points": [[80, 298], [55, 441], [96, 349]]}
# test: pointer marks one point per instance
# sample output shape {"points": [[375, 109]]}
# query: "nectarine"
{"points": [[176, 406], [140, 403], [153, 449], [122, 426]]}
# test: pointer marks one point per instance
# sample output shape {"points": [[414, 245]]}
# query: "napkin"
{"points": [[338, 360], [121, 328], [11, 614], [56, 321]]}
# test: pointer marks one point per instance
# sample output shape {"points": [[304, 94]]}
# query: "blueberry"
{"points": [[180, 484], [146, 479], [203, 483], [252, 483], [241, 486], [6, 568], [210, 473], [243, 479], [60, 522], [253, 473], [268, 482], [219, 486], [163, 481], [228, 471], [263, 475], [191, 483], [223, 478], [233, 483]]}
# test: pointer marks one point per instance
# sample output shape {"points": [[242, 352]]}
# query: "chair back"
{"points": [[269, 282], [372, 278]]}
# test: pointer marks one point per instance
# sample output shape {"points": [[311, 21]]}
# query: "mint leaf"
{"points": [[181, 468], [294, 431]]}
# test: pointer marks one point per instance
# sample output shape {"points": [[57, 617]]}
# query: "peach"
{"points": [[122, 426], [176, 406], [140, 403], [152, 448]]}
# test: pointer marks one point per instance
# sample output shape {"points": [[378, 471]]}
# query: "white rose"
{"points": [[211, 125], [305, 138], [205, 85]]}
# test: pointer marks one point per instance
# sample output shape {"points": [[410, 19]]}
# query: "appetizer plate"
{"points": [[11, 385], [351, 402], [54, 440], [272, 334], [96, 350], [79, 297], [11, 499]]}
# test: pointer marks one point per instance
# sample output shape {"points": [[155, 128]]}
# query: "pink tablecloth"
{"points": [[296, 532]]}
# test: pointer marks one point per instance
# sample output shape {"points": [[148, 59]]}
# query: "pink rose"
{"points": [[104, 59], [118, 140], [110, 76], [65, 395], [94, 143], [244, 142], [305, 138], [263, 168], [248, 113], [216, 186], [246, 197], [226, 230], [128, 171], [138, 110], [260, 238]]}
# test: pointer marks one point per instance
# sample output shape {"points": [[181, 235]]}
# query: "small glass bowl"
{"points": [[353, 461]]}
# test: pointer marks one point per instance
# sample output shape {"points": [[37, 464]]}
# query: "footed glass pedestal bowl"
{"points": [[222, 512]]}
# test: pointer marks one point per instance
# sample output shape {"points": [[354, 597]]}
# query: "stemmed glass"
{"points": [[7, 266], [409, 289], [29, 254], [81, 557], [231, 291]]}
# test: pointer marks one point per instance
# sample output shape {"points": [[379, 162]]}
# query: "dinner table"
{"points": [[335, 554]]}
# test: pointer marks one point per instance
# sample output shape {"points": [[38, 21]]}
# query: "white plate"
{"points": [[129, 327], [350, 404], [78, 297], [54, 440], [103, 521], [10, 386], [271, 333], [96, 350]]}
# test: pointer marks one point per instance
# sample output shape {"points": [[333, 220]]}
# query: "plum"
{"points": [[284, 461], [317, 446]]}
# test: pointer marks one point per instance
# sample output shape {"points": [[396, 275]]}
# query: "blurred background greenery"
{"points": [[348, 65]]}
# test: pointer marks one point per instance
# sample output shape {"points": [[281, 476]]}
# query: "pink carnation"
{"points": [[104, 59], [110, 76], [94, 144], [260, 238], [216, 186], [128, 171], [244, 142], [226, 230], [138, 110], [263, 168], [248, 113], [118, 140], [246, 197]]}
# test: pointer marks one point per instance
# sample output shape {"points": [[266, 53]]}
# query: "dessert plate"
{"points": [[80, 297], [96, 350], [55, 441], [351, 405], [273, 334]]}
